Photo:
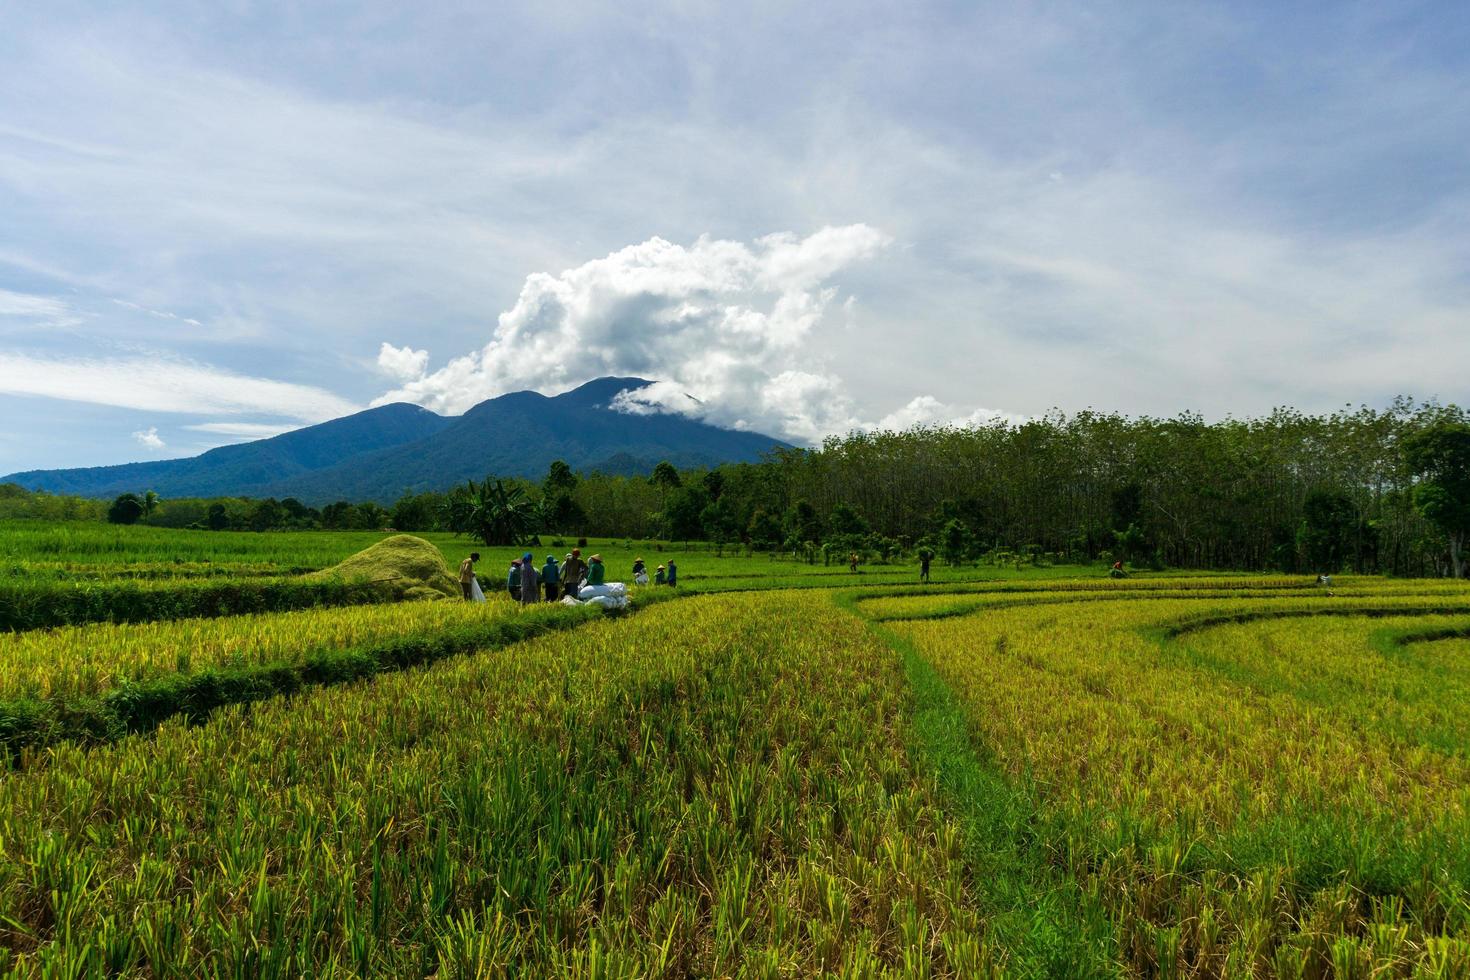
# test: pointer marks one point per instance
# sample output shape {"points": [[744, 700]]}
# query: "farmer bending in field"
{"points": [[529, 592], [550, 577], [467, 575]]}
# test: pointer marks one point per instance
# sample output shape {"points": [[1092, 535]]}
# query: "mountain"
{"points": [[249, 468], [383, 452], [520, 434]]}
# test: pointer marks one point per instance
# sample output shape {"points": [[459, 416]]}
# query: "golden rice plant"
{"points": [[1254, 784]]}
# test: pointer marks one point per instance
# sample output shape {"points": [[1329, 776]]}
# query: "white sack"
{"points": [[615, 589]]}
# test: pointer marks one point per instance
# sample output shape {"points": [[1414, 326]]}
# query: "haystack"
{"points": [[403, 566]]}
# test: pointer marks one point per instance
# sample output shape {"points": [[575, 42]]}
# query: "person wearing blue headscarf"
{"points": [[529, 592], [551, 577]]}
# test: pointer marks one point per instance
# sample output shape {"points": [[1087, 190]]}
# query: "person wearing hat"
{"points": [[467, 575], [596, 574], [573, 570], [550, 577], [529, 592], [658, 579], [513, 580], [640, 572]]}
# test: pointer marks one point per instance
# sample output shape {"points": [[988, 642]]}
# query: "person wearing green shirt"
{"points": [[596, 573]]}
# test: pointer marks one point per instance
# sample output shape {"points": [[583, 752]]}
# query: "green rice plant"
{"points": [[710, 787], [325, 650], [72, 661], [31, 604]]}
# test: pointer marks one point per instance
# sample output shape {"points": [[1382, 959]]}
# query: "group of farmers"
{"points": [[527, 585]]}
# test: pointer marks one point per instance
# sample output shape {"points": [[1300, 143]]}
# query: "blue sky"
{"points": [[222, 219]]}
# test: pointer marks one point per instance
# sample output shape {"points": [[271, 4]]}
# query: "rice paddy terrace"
{"points": [[1045, 774]]}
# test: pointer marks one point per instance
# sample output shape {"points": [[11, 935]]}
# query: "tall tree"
{"points": [[126, 509], [665, 476], [559, 480], [1440, 457]]}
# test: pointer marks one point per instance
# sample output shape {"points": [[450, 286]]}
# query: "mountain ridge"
{"points": [[381, 453]]}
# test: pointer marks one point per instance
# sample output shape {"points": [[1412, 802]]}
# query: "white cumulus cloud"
{"points": [[928, 410], [148, 438], [402, 363], [721, 326]]}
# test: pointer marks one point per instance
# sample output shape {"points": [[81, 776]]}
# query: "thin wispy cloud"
{"points": [[40, 311], [161, 314], [156, 384], [242, 430]]}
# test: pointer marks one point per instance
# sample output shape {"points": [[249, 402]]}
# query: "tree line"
{"points": [[1361, 490]]}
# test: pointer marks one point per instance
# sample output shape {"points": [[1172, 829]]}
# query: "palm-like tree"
{"points": [[491, 511]]}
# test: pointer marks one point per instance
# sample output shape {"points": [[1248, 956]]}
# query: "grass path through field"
{"points": [[1039, 915]]}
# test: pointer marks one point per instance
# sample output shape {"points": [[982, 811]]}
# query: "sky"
{"points": [[224, 219]]}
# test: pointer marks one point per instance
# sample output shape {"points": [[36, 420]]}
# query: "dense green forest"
{"points": [[1363, 490]]}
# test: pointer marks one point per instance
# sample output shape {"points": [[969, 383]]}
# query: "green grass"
{"points": [[90, 551]]}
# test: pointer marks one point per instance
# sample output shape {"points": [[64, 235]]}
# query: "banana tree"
{"points": [[491, 511]]}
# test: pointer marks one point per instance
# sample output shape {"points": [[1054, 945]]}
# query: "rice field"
{"points": [[692, 791], [97, 657], [1049, 773], [1270, 785]]}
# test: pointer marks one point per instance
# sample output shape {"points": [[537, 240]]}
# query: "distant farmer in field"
{"points": [[513, 580], [550, 577], [661, 576], [1118, 571], [925, 557], [640, 572], [529, 592], [596, 574], [573, 571], [673, 573], [852, 561], [467, 575]]}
